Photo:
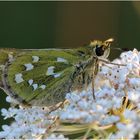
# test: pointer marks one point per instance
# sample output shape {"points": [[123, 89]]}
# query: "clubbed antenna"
{"points": [[121, 49]]}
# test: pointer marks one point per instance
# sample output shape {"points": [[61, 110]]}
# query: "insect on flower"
{"points": [[42, 77]]}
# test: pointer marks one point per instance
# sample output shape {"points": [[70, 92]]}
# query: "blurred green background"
{"points": [[67, 25]]}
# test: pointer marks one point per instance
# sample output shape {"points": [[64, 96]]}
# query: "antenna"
{"points": [[120, 49]]}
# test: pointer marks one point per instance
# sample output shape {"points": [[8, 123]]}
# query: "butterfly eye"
{"points": [[99, 50]]}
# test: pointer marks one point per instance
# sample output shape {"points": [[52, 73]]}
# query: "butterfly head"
{"points": [[101, 48]]}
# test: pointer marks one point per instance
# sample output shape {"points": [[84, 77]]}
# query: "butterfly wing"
{"points": [[40, 77]]}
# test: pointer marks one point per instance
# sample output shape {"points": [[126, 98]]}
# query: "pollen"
{"points": [[18, 78], [35, 58], [59, 59], [29, 66], [50, 70]]}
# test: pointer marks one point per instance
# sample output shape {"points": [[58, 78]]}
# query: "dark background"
{"points": [[67, 25]]}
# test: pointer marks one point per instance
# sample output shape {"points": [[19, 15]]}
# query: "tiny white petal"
{"points": [[29, 66], [35, 86], [4, 112], [61, 136], [18, 78], [6, 127], [50, 70], [59, 59], [30, 82], [3, 134], [43, 86], [35, 58], [11, 100]]}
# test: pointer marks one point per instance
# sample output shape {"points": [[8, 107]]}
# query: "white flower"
{"points": [[56, 137], [112, 83], [110, 119]]}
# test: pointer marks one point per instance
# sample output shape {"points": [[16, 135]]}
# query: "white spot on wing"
{"points": [[59, 59], [30, 82], [57, 75], [35, 86], [43, 86], [29, 66], [35, 58], [50, 70], [18, 78]]}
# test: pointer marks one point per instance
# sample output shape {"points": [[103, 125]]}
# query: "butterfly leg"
{"points": [[94, 70], [57, 106], [93, 92]]}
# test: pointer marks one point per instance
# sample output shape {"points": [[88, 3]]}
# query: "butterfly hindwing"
{"points": [[42, 77]]}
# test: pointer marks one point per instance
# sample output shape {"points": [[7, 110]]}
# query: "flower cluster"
{"points": [[29, 122], [115, 113]]}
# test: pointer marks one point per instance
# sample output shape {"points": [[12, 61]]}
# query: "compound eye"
{"points": [[99, 50]]}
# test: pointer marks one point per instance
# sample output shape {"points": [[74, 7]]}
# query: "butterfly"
{"points": [[43, 77]]}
